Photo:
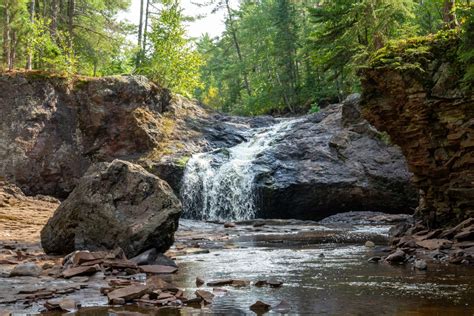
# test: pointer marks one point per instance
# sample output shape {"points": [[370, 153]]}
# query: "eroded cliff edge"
{"points": [[413, 91]]}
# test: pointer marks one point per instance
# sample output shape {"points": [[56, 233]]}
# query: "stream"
{"points": [[323, 266]]}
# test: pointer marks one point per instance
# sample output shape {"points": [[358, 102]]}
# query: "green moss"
{"points": [[181, 162], [417, 53]]}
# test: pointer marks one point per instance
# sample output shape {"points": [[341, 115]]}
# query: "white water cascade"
{"points": [[219, 185]]}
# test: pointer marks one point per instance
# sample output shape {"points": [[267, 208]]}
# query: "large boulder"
{"points": [[330, 162], [115, 204]]}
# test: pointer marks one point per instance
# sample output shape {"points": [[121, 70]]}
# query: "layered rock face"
{"points": [[332, 162], [53, 129], [419, 101], [115, 204]]}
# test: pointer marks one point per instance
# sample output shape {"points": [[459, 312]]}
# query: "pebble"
{"points": [[369, 244], [421, 264]]}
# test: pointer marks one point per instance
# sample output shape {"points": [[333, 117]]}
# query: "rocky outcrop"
{"points": [[54, 128], [332, 162], [115, 204], [413, 91]]}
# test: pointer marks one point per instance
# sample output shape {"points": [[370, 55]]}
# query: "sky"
{"points": [[213, 23]]}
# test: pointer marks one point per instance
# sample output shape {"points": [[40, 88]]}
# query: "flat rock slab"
{"points": [[231, 282], [205, 295], [82, 270], [433, 244], [129, 293], [158, 269]]}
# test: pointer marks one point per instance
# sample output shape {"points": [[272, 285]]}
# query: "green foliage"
{"points": [[172, 62], [314, 109], [52, 55]]}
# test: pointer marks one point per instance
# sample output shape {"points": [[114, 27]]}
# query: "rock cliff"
{"points": [[413, 91], [54, 128]]}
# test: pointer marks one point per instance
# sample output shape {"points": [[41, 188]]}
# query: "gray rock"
{"points": [[115, 204], [396, 257], [421, 264], [26, 269]]}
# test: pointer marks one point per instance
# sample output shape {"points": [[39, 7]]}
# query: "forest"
{"points": [[274, 57]]}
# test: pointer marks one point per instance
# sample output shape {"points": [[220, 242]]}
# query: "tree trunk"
{"points": [[140, 34], [449, 14], [70, 24], [54, 18], [147, 12], [29, 59], [237, 46], [6, 35], [13, 47]]}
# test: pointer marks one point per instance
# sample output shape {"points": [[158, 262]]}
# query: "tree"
{"points": [[171, 61]]}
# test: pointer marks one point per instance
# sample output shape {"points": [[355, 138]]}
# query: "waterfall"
{"points": [[219, 185]]}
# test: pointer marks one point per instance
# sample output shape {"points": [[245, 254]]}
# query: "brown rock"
{"points": [[82, 270], [433, 244], [465, 235], [158, 269], [199, 281], [229, 225], [129, 293], [396, 257], [220, 282], [66, 305], [205, 295], [117, 301], [260, 307]]}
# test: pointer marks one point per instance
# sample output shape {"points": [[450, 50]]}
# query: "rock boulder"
{"points": [[115, 204], [330, 162]]}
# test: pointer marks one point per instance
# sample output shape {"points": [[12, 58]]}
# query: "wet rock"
{"points": [[398, 256], [65, 305], [146, 258], [122, 196], [199, 281], [271, 283], [375, 259], [158, 269], [229, 225], [283, 307], [26, 269], [449, 233], [433, 244], [399, 229], [421, 264], [231, 282], [163, 260], [129, 293], [205, 295], [260, 307], [369, 244], [465, 234], [82, 270], [117, 301]]}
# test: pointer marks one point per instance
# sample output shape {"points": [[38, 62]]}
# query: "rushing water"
{"points": [[219, 185]]}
